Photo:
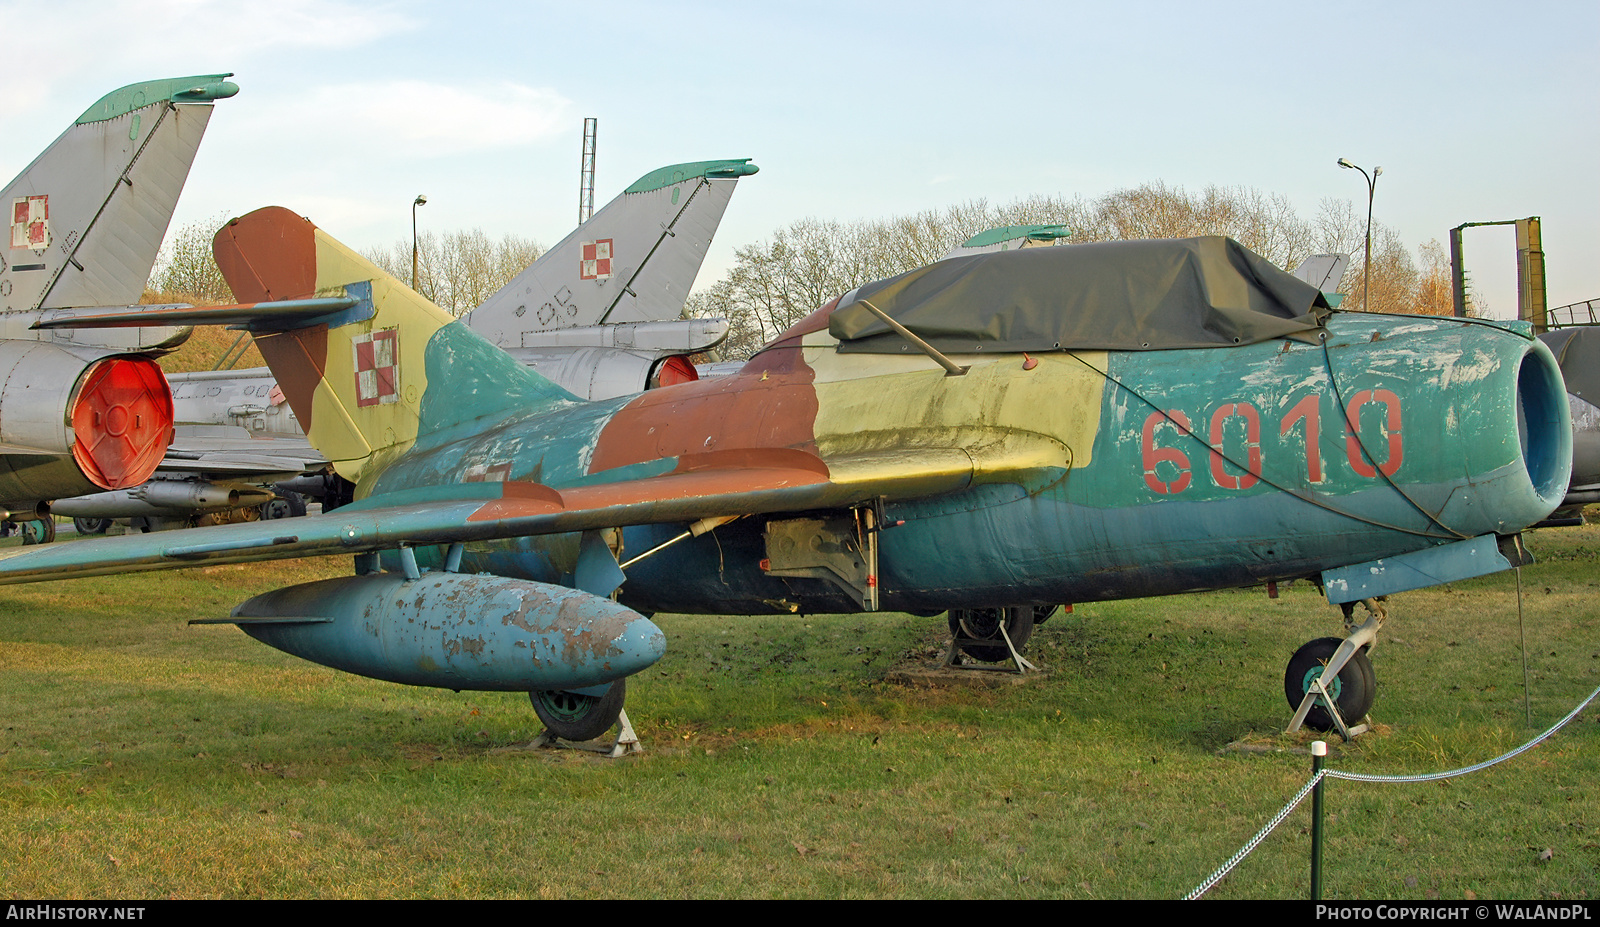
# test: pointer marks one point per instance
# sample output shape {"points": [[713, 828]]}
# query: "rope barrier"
{"points": [[1305, 790]]}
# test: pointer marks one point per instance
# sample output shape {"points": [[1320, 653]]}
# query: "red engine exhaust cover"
{"points": [[122, 422], [674, 370]]}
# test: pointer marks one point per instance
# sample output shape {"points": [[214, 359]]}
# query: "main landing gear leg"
{"points": [[627, 741], [992, 635], [572, 718], [1330, 681]]}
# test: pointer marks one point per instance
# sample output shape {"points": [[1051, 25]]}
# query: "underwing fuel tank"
{"points": [[455, 631]]}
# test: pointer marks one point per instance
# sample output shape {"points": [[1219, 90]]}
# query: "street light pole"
{"points": [[419, 201], [1366, 263]]}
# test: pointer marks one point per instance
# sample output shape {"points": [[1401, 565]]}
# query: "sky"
{"points": [[1476, 111]]}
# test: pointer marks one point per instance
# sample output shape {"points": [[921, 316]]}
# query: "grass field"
{"points": [[142, 757]]}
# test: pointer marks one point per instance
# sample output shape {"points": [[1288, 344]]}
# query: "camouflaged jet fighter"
{"points": [[991, 433]]}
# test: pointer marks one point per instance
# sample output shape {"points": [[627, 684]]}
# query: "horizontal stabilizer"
{"points": [[279, 315]]}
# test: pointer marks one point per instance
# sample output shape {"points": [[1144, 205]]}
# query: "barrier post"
{"points": [[1319, 753]]}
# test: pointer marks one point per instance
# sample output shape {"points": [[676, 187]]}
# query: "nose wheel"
{"points": [[1329, 681], [1350, 689]]}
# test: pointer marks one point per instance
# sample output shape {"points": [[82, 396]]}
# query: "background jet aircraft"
{"points": [[601, 313], [1122, 419], [1577, 350], [600, 326], [89, 409], [1010, 237]]}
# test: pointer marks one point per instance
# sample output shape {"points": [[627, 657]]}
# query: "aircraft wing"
{"points": [[715, 484], [230, 447]]}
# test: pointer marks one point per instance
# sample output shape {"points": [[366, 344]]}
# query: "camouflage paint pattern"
{"points": [[1085, 475]]}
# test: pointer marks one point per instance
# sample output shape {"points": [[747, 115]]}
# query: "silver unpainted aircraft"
{"points": [[600, 314], [1577, 351], [90, 410]]}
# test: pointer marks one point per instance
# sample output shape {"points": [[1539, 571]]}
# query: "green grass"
{"points": [[142, 757]]}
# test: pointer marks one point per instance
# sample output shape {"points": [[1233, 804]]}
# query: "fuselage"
{"points": [[1084, 476]]}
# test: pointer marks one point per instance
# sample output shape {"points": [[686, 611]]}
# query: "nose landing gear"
{"points": [[1329, 681]]}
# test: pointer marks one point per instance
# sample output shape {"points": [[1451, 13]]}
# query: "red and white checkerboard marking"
{"points": [[377, 367], [30, 222], [595, 261]]}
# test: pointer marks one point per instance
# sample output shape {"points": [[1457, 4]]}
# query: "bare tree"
{"points": [[185, 271], [458, 270], [1340, 227]]}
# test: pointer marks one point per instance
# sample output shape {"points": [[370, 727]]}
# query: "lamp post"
{"points": [[1366, 264], [419, 201]]}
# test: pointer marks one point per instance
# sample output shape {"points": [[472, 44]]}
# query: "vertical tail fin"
{"points": [[633, 261], [370, 376], [88, 215]]}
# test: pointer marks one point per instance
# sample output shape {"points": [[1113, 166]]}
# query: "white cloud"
{"points": [[394, 120], [145, 39]]}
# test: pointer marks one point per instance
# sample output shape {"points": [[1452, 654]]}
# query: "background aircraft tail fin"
{"points": [[633, 261], [1009, 238], [367, 364], [88, 215]]}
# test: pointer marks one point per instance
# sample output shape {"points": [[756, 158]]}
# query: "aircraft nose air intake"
{"points": [[1543, 427]]}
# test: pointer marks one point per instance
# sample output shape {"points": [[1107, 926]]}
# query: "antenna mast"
{"points": [[586, 172]]}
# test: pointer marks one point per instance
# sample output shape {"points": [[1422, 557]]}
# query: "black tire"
{"points": [[571, 716], [287, 505], [984, 624], [39, 531], [1353, 691], [88, 526]]}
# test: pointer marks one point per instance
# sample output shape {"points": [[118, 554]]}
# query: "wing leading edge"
{"points": [[717, 484]]}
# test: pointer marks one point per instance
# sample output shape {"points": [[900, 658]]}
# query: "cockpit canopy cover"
{"points": [[1116, 295]]}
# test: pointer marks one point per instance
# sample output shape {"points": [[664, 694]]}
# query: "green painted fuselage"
{"points": [[1177, 470]]}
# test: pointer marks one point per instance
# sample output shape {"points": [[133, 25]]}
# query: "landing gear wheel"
{"points": [[572, 716], [1353, 691], [39, 531], [984, 624], [288, 504], [87, 526]]}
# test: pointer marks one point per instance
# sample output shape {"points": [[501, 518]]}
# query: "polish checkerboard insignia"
{"points": [[595, 260], [377, 367], [30, 222]]}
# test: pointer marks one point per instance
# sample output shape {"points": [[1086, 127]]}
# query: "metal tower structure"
{"points": [[1531, 299], [586, 172]]}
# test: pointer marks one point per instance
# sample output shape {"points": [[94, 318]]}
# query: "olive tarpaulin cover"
{"points": [[1117, 295]]}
